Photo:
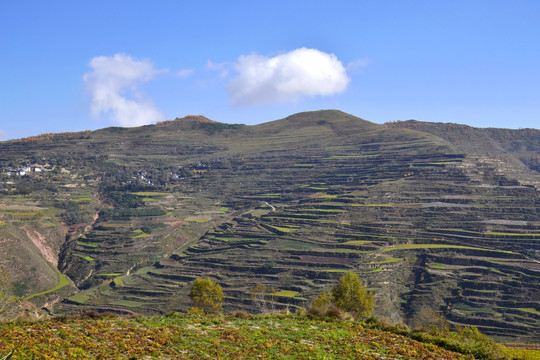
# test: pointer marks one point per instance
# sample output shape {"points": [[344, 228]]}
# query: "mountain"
{"points": [[124, 219]]}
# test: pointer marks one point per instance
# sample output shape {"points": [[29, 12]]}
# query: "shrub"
{"points": [[319, 307], [430, 321]]}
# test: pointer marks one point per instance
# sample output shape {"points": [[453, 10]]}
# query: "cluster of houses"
{"points": [[26, 169]]}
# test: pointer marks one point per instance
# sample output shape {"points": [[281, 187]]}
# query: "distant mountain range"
{"points": [[438, 216]]}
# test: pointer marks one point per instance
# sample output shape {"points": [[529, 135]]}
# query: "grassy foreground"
{"points": [[221, 337]]}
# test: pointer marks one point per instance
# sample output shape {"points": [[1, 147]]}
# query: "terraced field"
{"points": [[294, 204]]}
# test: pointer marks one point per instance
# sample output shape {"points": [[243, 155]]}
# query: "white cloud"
{"points": [[357, 64], [113, 81], [287, 77], [221, 67], [184, 73]]}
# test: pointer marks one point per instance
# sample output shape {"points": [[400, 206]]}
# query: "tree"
{"points": [[351, 296], [262, 297], [9, 304], [207, 295]]}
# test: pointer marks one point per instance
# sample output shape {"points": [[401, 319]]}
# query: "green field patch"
{"points": [[118, 281], [227, 239], [284, 229], [285, 293], [85, 199], [356, 242], [148, 199], [114, 225], [224, 209], [198, 219], [303, 165], [110, 274], [341, 222], [337, 157], [88, 244], [529, 310], [3, 223], [373, 271], [63, 281], [438, 266], [85, 257], [79, 298], [149, 193], [128, 303], [332, 204], [325, 210], [440, 246], [336, 270], [26, 213], [141, 235], [510, 234], [328, 196], [372, 205]]}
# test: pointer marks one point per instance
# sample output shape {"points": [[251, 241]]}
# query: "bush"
{"points": [[319, 307]]}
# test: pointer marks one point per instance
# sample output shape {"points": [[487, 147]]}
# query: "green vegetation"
{"points": [[510, 234], [79, 298], [438, 246], [63, 281], [285, 293], [149, 193], [198, 219], [118, 281], [438, 266], [207, 296], [237, 336], [349, 295], [85, 257]]}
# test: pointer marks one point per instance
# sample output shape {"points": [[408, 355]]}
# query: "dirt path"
{"points": [[272, 206]]}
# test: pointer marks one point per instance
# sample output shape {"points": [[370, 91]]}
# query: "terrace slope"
{"points": [[518, 148], [137, 214]]}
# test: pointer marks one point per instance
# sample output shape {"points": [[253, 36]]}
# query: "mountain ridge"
{"points": [[135, 214]]}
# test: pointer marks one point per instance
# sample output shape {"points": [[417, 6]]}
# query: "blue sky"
{"points": [[76, 65]]}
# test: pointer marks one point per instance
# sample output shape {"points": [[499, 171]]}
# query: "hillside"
{"points": [[517, 152], [124, 219], [276, 336]]}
